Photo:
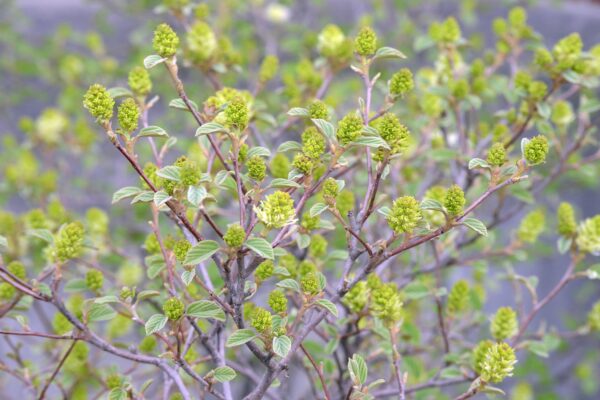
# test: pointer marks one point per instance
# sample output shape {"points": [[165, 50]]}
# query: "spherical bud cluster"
{"points": [[588, 235], [386, 303], [237, 114], [257, 169], [69, 242], [181, 248], [165, 41], [306, 267], [536, 149], [277, 210], [280, 166], [542, 58], [313, 143], [458, 297], [243, 153], [201, 42], [318, 246], [356, 299], [331, 190], [401, 82], [310, 223], [479, 353], [365, 43], [562, 113], [262, 320], [307, 74], [268, 68], [151, 244], [445, 32], [531, 226], [567, 51], [405, 215], [432, 105], [17, 269], [537, 90], [189, 172], [454, 201], [330, 41], [94, 280], [345, 202], [235, 236], [303, 163], [36, 219], [150, 170], [594, 317], [318, 110], [278, 302], [114, 381], [497, 155], [264, 270], [504, 323], [393, 132], [498, 363], [349, 128], [310, 284], [173, 308], [139, 81], [128, 115], [435, 218], [565, 215], [98, 102], [517, 16]]}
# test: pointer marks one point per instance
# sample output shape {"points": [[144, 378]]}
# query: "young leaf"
{"points": [[153, 131], [328, 305], [170, 172], [161, 197], [372, 141], [180, 105], [210, 127], [188, 276], [43, 234], [283, 183], [289, 146], [431, 204], [289, 284], [358, 369], [224, 374], [475, 225], [318, 209], [117, 92], [101, 312], [152, 61], [478, 163], [123, 193], [259, 151], [240, 337], [206, 309], [261, 247], [282, 345], [298, 112], [388, 52], [200, 252], [326, 128], [155, 323]]}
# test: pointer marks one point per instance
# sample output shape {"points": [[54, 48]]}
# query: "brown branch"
{"points": [[56, 370], [319, 372]]}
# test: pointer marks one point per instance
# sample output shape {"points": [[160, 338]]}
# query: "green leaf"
{"points": [[298, 112], [117, 394], [75, 285], [146, 294], [106, 299], [318, 209], [196, 195], [117, 92], [386, 211], [179, 104], [170, 172], [153, 131], [325, 127], [43, 234], [155, 264], [372, 141], [101, 312], [155, 323], [240, 337], [289, 146], [282, 345], [476, 225], [357, 367], [593, 272], [303, 241], [224, 374], [206, 309], [261, 247], [188, 276], [431, 204], [283, 183], [161, 197], [259, 151], [416, 290], [328, 305], [201, 252], [210, 127], [370, 131], [123, 193], [289, 284], [153, 60], [144, 197], [478, 163], [388, 52], [564, 244]]}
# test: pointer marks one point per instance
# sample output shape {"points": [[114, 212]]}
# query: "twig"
{"points": [[58, 367], [319, 372]]}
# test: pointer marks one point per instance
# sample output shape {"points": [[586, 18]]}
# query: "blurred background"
{"points": [[51, 50]]}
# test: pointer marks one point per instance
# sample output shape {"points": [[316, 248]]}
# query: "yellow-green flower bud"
{"points": [[479, 353], [459, 88], [331, 190], [7, 291], [536, 150], [594, 317], [542, 58], [237, 114], [405, 215], [277, 210], [262, 320], [356, 299], [567, 51], [280, 166], [173, 308], [235, 236], [588, 235], [517, 17], [349, 128], [330, 41], [386, 303], [151, 244], [69, 242], [181, 248], [313, 143], [458, 297], [17, 269], [318, 110], [565, 215], [60, 324], [310, 284], [537, 90], [345, 202], [562, 113], [268, 68], [401, 82], [139, 81], [445, 32], [365, 43], [98, 102], [128, 115], [189, 172], [303, 163], [165, 41], [264, 270], [94, 280], [310, 223], [432, 105], [497, 155], [532, 226], [454, 201], [148, 344], [504, 324], [306, 267], [257, 168], [435, 218], [498, 363], [318, 246], [201, 42], [393, 132], [278, 302]]}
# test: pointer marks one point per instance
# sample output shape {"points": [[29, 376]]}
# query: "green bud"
{"points": [[454, 201], [151, 244], [306, 267], [318, 246], [303, 163], [594, 317], [331, 41], [262, 320], [497, 155], [17, 269], [94, 280], [237, 114], [235, 236], [542, 58], [565, 215], [310, 223], [257, 168], [278, 302], [588, 235], [165, 41], [310, 284], [567, 51], [173, 308], [459, 88], [280, 166], [264, 270], [114, 381], [69, 242], [365, 43], [537, 90], [345, 202], [313, 143], [331, 190], [268, 68], [517, 17], [277, 210], [201, 42], [435, 218], [405, 215], [562, 113], [445, 32], [181, 248], [7, 291], [479, 353], [432, 105], [128, 115], [98, 102], [498, 363], [386, 303], [139, 81], [531, 226], [504, 324], [356, 299], [318, 110], [401, 82], [536, 150], [458, 297], [243, 153], [189, 173], [393, 132], [148, 344], [349, 128]]}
